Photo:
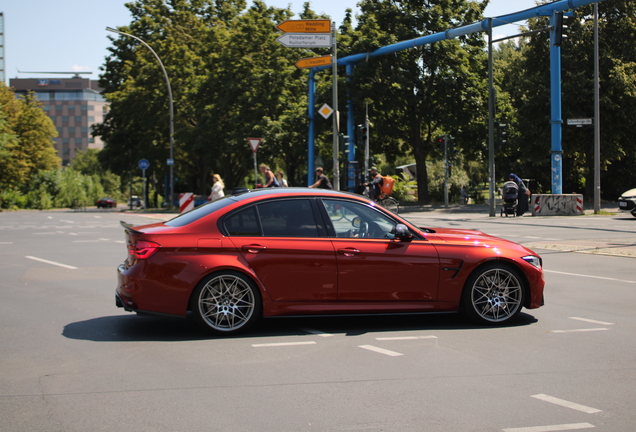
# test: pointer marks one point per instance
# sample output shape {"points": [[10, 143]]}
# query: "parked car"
{"points": [[300, 251], [136, 201], [627, 202], [106, 203]]}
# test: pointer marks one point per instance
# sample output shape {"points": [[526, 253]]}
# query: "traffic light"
{"points": [[502, 134], [362, 134], [342, 141], [559, 28], [440, 143], [452, 151]]}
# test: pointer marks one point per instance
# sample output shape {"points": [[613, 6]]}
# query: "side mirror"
{"points": [[402, 232]]}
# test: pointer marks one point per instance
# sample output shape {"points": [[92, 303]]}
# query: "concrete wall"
{"points": [[556, 205]]}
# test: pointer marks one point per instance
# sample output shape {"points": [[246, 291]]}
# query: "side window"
{"points": [[243, 223], [351, 219], [288, 218]]}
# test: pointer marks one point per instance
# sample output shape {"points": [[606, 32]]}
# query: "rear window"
{"points": [[199, 212]]}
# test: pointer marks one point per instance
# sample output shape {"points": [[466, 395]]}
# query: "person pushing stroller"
{"points": [[514, 194]]}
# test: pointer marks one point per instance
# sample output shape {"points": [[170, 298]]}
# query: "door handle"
{"points": [[253, 248], [349, 252]]}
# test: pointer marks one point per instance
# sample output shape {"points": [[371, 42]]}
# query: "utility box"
{"points": [[557, 205]]}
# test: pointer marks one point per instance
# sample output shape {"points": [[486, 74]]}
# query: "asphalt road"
{"points": [[71, 361]]}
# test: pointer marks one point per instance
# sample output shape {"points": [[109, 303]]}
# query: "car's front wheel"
{"points": [[225, 303], [494, 294]]}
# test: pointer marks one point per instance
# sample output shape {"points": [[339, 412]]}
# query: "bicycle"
{"points": [[386, 201]]}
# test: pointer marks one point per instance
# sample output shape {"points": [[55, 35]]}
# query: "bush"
{"points": [[12, 200]]}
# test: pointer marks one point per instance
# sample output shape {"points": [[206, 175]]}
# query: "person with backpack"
{"points": [[375, 184]]}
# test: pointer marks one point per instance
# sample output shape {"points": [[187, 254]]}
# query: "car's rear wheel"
{"points": [[494, 294], [226, 302]]}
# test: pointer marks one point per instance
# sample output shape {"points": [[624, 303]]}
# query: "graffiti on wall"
{"points": [[557, 205]]}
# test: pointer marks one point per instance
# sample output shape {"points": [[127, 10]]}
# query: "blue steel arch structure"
{"points": [[485, 25]]}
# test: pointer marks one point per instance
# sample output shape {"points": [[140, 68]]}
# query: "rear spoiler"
{"points": [[129, 227]]}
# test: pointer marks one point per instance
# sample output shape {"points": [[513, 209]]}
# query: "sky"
{"points": [[70, 35]]}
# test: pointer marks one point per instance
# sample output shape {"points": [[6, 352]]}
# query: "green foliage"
{"points": [[26, 138], [524, 76], [404, 189]]}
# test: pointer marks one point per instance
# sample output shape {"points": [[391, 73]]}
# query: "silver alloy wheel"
{"points": [[226, 303], [496, 295]]}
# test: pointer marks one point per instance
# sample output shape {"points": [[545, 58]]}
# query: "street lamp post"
{"points": [[165, 74]]}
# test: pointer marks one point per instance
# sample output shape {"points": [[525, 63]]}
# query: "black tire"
{"points": [[391, 204], [494, 294], [226, 302]]}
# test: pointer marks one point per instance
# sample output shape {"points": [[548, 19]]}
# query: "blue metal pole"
{"points": [[542, 10], [311, 110], [555, 110]]}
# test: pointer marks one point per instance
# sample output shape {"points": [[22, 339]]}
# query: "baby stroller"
{"points": [[509, 195]]}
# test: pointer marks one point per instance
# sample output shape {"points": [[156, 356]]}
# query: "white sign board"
{"points": [[580, 122], [305, 40]]}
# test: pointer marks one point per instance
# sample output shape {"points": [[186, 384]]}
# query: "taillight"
{"points": [[143, 249]]}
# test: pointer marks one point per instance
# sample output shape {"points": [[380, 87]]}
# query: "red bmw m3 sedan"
{"points": [[301, 251]]}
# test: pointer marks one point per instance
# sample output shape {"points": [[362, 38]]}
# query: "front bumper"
{"points": [[627, 204]]}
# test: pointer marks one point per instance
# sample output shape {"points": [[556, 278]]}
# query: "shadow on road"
{"points": [[133, 328]]}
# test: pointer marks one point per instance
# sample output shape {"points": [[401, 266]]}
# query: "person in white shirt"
{"points": [[217, 188], [281, 179]]}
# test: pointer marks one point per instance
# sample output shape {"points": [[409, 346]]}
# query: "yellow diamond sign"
{"points": [[325, 111]]}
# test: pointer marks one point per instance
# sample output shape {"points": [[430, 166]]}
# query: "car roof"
{"points": [[299, 191]]}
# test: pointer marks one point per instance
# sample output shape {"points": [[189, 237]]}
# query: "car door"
{"points": [[286, 248], [373, 267]]}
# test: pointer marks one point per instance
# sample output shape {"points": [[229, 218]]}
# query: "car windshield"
{"points": [[199, 212]]}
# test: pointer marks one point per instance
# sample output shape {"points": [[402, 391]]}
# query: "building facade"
{"points": [[74, 104]]}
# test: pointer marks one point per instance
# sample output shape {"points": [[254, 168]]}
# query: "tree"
{"points": [[418, 94], [26, 138], [528, 83], [230, 80]]}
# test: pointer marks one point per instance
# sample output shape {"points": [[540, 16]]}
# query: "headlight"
{"points": [[534, 260]]}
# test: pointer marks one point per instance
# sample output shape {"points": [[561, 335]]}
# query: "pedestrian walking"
{"points": [[217, 188], [524, 193]]}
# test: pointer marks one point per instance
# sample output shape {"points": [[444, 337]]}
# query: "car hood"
{"points": [[463, 237], [629, 194]]}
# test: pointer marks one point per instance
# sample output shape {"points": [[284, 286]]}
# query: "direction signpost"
{"points": [[305, 26], [143, 165], [313, 62], [305, 40], [316, 33], [254, 143]]}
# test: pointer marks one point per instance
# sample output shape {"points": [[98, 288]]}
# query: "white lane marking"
{"points": [[51, 262], [119, 241], [85, 241], [566, 404], [6, 242], [97, 217], [50, 217], [67, 221], [579, 330], [73, 234], [551, 428], [591, 321], [589, 276], [315, 332], [404, 338], [43, 233], [104, 239], [279, 344], [531, 237], [380, 350]]}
